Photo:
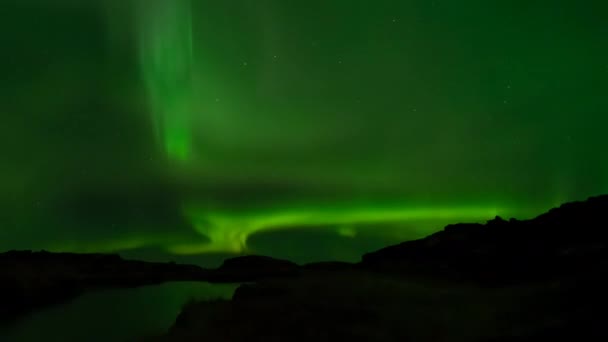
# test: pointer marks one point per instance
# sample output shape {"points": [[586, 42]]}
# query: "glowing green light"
{"points": [[166, 62], [229, 231]]}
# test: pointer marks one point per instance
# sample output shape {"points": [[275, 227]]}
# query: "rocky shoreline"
{"points": [[512, 280], [506, 280]]}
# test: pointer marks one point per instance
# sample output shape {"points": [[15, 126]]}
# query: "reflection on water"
{"points": [[114, 314]]}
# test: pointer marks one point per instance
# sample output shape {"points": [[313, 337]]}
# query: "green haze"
{"points": [[301, 129]]}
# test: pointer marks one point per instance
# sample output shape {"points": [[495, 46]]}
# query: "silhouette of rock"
{"points": [[253, 267], [506, 280], [255, 291], [563, 241], [547, 276], [329, 266], [33, 279], [29, 280]]}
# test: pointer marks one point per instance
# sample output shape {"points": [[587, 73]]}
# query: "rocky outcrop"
{"points": [[547, 276], [565, 241], [253, 267], [505, 280], [29, 280], [32, 279]]}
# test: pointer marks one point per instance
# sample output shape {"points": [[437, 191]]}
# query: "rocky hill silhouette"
{"points": [[29, 280], [566, 241], [531, 280], [505, 280]]}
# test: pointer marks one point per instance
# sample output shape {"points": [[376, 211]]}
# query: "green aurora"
{"points": [[306, 129]]}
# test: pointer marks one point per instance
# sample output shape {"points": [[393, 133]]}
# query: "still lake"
{"points": [[113, 314]]}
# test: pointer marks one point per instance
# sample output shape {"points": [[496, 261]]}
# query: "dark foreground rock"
{"points": [[253, 267], [29, 280], [540, 279], [363, 306], [568, 241]]}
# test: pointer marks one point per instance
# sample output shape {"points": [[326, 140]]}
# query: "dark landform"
{"points": [[506, 280], [31, 280], [538, 279]]}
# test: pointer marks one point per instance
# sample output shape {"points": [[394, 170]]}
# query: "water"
{"points": [[113, 314]]}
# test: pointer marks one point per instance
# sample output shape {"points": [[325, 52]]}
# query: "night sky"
{"points": [[306, 130]]}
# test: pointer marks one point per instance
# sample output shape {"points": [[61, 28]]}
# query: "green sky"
{"points": [[300, 129]]}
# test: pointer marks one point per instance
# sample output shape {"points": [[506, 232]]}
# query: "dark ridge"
{"points": [[253, 267], [565, 241], [505, 280], [29, 280], [329, 266]]}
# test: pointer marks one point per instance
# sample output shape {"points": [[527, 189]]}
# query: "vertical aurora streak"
{"points": [[166, 63]]}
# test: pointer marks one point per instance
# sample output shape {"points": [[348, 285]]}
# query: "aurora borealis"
{"points": [[302, 129]]}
